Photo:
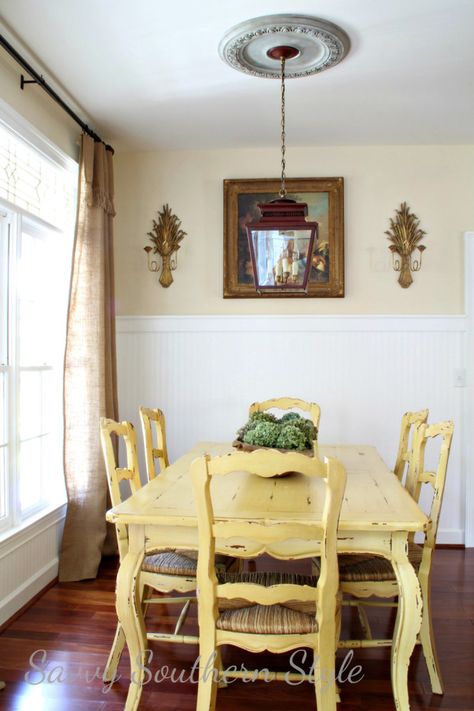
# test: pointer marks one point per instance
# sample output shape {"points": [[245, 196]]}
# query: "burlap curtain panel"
{"points": [[90, 374]]}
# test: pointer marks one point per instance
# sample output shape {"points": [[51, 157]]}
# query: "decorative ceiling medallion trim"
{"points": [[321, 45]]}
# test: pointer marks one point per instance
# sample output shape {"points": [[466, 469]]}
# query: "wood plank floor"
{"points": [[74, 623]]}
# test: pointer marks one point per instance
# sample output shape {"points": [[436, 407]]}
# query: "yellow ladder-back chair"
{"points": [[168, 571], [266, 611], [154, 419], [154, 427], [363, 576], [410, 422]]}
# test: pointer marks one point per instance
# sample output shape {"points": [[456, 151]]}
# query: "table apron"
{"points": [[186, 537]]}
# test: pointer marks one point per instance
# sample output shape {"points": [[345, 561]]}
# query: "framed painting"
{"points": [[325, 200]]}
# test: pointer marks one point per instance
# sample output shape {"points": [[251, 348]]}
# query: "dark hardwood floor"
{"points": [[73, 625]]}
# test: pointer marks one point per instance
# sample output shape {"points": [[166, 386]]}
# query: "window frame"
{"points": [[52, 493], [13, 219]]}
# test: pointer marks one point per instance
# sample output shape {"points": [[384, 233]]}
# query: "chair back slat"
{"points": [[427, 478], [409, 421], [154, 418], [266, 534], [274, 594], [124, 474]]}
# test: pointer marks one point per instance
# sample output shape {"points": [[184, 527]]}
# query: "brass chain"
{"points": [[283, 136]]}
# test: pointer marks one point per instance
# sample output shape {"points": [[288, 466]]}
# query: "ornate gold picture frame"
{"points": [[325, 199]]}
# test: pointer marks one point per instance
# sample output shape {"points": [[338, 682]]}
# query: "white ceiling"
{"points": [[148, 74]]}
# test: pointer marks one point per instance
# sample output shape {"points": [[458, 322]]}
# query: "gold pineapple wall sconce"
{"points": [[405, 235], [166, 236]]}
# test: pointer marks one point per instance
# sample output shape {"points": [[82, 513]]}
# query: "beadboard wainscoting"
{"points": [[364, 372], [29, 561]]}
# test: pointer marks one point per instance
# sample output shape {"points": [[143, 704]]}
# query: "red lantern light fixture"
{"points": [[281, 242]]}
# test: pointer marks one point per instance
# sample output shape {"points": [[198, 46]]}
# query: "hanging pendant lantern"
{"points": [[281, 245], [281, 242]]}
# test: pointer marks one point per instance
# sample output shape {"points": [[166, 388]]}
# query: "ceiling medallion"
{"points": [[318, 45]]}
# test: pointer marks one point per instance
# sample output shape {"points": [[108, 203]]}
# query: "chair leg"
{"points": [[325, 677], [114, 655], [428, 642], [222, 683], [208, 672], [337, 638]]}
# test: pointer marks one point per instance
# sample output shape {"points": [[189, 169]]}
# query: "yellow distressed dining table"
{"points": [[377, 515]]}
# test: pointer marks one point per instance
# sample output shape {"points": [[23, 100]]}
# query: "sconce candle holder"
{"points": [[405, 235], [166, 236]]}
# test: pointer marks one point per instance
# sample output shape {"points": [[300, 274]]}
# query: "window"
{"points": [[37, 210]]}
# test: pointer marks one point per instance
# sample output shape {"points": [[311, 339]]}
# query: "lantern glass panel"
{"points": [[281, 257]]}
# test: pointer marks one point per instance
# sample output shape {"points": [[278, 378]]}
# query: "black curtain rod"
{"points": [[38, 79]]}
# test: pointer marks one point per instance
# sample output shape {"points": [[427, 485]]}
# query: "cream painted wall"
{"points": [[436, 181], [38, 108]]}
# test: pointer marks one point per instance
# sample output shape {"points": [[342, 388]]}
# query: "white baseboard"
{"points": [[29, 560], [27, 590], [450, 536]]}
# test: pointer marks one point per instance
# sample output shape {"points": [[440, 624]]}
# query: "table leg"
{"points": [[129, 612], [408, 621]]}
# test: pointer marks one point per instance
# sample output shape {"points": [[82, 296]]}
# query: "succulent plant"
{"points": [[290, 416], [265, 430], [291, 437], [263, 417], [309, 430], [253, 421], [264, 434]]}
